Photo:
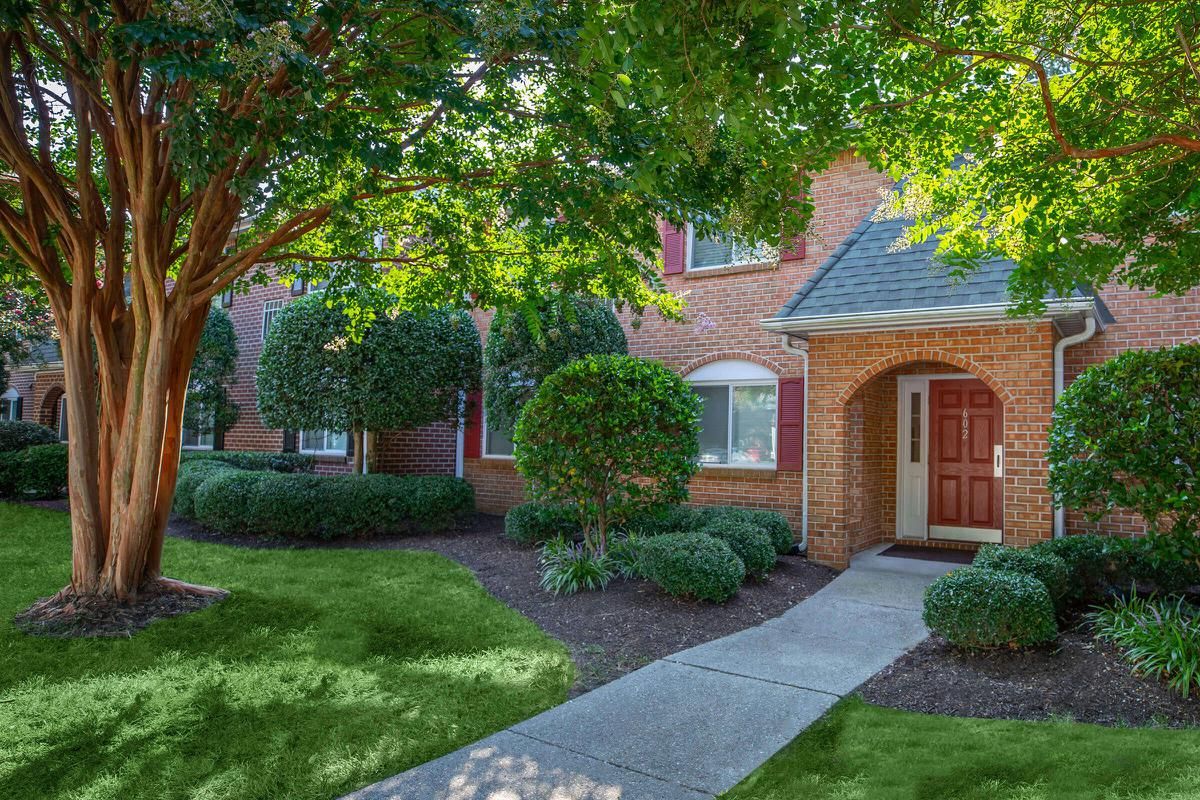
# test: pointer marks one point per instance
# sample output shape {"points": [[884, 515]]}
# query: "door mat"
{"points": [[946, 554]]}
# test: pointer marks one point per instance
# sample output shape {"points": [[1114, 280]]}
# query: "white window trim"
{"points": [[12, 396], [337, 451], [272, 307], [196, 446], [483, 444], [774, 464], [691, 248]]}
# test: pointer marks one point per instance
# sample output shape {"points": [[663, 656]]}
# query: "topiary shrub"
{"points": [[1126, 434], [191, 475], [693, 565], [664, 519], [523, 349], [974, 607], [1091, 566], [533, 523], [16, 435], [253, 460], [774, 523], [1048, 568], [610, 437], [749, 542], [329, 507]]}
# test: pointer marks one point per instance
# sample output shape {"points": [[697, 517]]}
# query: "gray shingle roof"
{"points": [[865, 274]]}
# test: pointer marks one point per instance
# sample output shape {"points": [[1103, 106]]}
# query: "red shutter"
{"points": [[674, 248], [791, 424], [473, 432]]}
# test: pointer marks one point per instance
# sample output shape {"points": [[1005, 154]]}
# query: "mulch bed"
{"points": [[67, 616], [609, 633], [1076, 678]]}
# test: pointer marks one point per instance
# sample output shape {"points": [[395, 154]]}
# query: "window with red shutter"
{"points": [[473, 431], [791, 424], [674, 247]]}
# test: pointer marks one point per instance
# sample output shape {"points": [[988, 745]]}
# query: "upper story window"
{"points": [[10, 404], [739, 423], [270, 309], [324, 442], [714, 252]]}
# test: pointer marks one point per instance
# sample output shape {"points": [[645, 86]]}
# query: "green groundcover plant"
{"points": [[1159, 636]]}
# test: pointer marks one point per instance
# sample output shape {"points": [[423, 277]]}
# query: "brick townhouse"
{"points": [[846, 382]]}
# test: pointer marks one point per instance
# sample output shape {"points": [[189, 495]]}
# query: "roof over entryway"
{"points": [[871, 282]]}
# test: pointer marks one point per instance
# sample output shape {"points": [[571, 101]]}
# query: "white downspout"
{"points": [[364, 447], [1089, 330], [460, 435], [802, 351]]}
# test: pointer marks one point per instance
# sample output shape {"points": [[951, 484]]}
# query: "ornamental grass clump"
{"points": [[977, 608], [568, 567], [1160, 637]]}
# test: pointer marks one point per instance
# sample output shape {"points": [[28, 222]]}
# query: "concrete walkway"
{"points": [[694, 724]]}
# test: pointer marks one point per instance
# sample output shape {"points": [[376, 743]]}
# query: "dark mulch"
{"points": [[66, 615], [1077, 677], [609, 633]]}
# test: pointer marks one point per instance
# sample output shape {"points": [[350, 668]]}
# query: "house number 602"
{"points": [[964, 423]]}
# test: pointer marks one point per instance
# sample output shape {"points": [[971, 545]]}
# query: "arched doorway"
{"points": [[924, 457]]}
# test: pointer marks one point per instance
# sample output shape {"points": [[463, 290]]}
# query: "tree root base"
{"points": [[69, 614]]}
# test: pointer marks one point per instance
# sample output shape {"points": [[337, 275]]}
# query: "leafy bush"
{"points": [[1139, 562], [15, 435], [1048, 568], [1090, 564], [1126, 434], [611, 436], [567, 567], [534, 523], [523, 349], [35, 473], [693, 565], [1158, 636], [975, 607], [328, 507], [209, 406], [191, 475], [625, 554], [749, 542], [251, 460], [772, 522], [664, 519]]}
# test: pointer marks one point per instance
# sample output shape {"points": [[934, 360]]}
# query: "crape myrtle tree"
{"points": [[1062, 135], [447, 152], [405, 371], [528, 343]]}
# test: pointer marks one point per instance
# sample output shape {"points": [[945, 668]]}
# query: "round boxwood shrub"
{"points": [[1041, 564], [16, 435], [748, 541], [772, 522], [191, 475], [975, 608], [692, 565], [534, 523], [664, 519], [1091, 566], [329, 507]]}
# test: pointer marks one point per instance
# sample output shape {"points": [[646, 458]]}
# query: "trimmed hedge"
{"points": [[975, 607], [16, 435], [1103, 566], [533, 523], [1048, 568], [327, 507], [693, 565], [774, 524], [1091, 566], [251, 460], [749, 542], [191, 475], [666, 519], [35, 473]]}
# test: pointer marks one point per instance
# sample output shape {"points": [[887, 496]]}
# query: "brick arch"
{"points": [[731, 355], [911, 356], [47, 412]]}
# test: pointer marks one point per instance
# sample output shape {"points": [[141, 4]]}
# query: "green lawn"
{"points": [[326, 670], [862, 752]]}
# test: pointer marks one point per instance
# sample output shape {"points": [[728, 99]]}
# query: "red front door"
{"points": [[966, 424]]}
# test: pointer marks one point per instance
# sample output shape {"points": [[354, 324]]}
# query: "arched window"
{"points": [[738, 426], [10, 406]]}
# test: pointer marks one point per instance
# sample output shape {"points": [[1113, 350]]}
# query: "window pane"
{"points": [[498, 443], [754, 420], [714, 424], [914, 433], [337, 441], [8, 409], [715, 252]]}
